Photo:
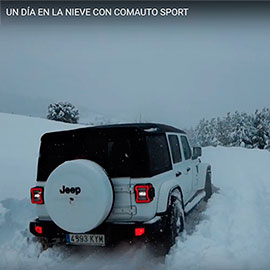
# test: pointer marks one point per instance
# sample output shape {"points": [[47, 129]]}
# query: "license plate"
{"points": [[86, 239]]}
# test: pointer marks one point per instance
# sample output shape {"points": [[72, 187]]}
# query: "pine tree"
{"points": [[205, 134], [192, 136], [261, 124], [242, 130], [64, 112], [201, 133], [237, 129], [224, 130]]}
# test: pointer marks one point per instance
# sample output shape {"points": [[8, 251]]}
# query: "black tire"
{"points": [[175, 220], [162, 240], [208, 186]]}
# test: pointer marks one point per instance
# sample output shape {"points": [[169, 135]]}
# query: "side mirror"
{"points": [[197, 152]]}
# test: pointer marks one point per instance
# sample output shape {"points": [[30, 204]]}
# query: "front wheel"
{"points": [[208, 186]]}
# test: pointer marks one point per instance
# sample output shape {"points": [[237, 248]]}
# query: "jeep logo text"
{"points": [[68, 190]]}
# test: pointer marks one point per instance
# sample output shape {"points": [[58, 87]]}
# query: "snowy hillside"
{"points": [[231, 232], [12, 103], [38, 107], [19, 146]]}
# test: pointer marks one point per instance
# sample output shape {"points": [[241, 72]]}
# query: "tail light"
{"points": [[37, 195], [144, 193], [38, 229], [139, 231]]}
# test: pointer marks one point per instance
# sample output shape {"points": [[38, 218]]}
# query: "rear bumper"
{"points": [[112, 232]]}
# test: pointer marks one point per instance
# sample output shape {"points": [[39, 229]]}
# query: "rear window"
{"points": [[120, 156], [159, 157]]}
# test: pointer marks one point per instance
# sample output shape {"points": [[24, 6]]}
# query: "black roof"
{"points": [[145, 128]]}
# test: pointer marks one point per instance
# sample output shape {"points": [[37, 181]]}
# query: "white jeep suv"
{"points": [[96, 184]]}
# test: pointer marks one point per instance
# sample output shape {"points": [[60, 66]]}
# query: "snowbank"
{"points": [[19, 147], [234, 232], [231, 232]]}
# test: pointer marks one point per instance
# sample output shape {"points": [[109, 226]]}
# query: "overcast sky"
{"points": [[172, 73]]}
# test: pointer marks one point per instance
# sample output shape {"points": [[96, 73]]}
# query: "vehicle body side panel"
{"points": [[163, 194]]}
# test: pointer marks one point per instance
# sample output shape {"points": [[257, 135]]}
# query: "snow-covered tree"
{"points": [[205, 133], [261, 121], [242, 130], [237, 129], [224, 130], [192, 136], [64, 112]]}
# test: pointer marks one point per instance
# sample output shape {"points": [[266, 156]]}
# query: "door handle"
{"points": [[178, 174], [188, 169]]}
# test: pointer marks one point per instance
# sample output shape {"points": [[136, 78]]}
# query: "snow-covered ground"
{"points": [[234, 231], [231, 232]]}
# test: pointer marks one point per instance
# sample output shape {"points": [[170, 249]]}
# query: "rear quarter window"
{"points": [[158, 151]]}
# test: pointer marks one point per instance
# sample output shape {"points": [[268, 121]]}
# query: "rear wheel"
{"points": [[173, 224], [175, 219]]}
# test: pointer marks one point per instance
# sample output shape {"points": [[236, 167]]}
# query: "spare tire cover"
{"points": [[78, 195]]}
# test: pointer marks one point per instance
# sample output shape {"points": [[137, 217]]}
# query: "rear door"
{"points": [[180, 166], [119, 162], [189, 165], [122, 208]]}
